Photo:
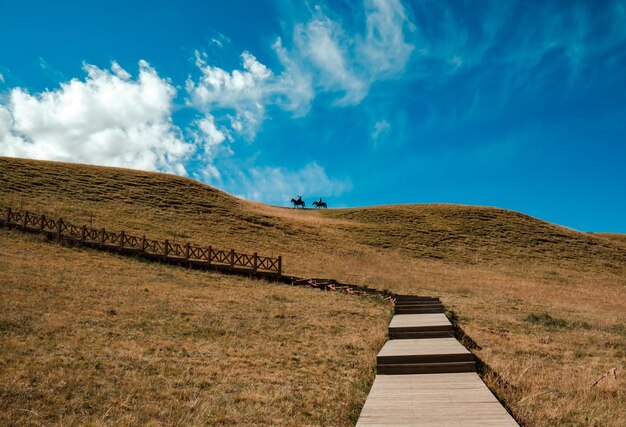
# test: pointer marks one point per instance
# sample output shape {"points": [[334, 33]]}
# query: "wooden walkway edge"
{"points": [[425, 377]]}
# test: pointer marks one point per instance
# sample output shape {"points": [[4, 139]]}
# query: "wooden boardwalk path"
{"points": [[425, 377], [459, 399]]}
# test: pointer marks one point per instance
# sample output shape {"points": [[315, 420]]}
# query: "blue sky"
{"points": [[519, 105]]}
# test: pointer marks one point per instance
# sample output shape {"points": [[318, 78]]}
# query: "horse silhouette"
{"points": [[320, 204], [298, 202]]}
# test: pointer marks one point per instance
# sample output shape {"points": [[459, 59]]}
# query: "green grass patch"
{"points": [[544, 319]]}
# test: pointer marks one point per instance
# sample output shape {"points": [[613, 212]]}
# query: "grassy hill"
{"points": [[544, 303]]}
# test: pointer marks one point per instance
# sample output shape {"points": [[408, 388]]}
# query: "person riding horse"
{"points": [[298, 202], [320, 204]]}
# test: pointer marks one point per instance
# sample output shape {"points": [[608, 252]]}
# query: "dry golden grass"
{"points": [[94, 338], [545, 303]]}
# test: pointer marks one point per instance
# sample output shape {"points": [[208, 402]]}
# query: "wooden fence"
{"points": [[182, 253]]}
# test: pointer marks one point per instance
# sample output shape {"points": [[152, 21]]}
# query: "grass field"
{"points": [[545, 304], [94, 338]]}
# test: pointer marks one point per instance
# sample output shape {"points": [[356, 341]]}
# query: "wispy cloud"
{"points": [[51, 72], [322, 46], [348, 62], [500, 57], [380, 127], [384, 50], [220, 40]]}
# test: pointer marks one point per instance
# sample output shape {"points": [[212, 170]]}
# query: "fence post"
{"points": [[208, 258], [121, 239], [59, 229], [166, 248], [8, 217], [187, 246], [280, 265], [143, 243], [25, 220], [82, 234], [232, 258], [42, 226], [255, 262], [102, 237]]}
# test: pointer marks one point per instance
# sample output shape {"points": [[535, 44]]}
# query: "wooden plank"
{"points": [[417, 350], [459, 399], [419, 304], [424, 356], [420, 335], [415, 298], [418, 310], [419, 320], [402, 321], [425, 368]]}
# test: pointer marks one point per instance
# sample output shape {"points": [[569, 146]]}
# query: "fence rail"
{"points": [[166, 250]]}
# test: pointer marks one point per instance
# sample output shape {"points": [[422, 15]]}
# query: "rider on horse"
{"points": [[298, 202], [320, 204]]}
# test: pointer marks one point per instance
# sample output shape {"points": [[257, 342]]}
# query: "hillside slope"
{"points": [[168, 206], [544, 303], [91, 338]]}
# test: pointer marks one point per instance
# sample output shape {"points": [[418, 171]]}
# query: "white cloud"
{"points": [[1, 78], [211, 138], [219, 88], [119, 71], [243, 91], [212, 135], [107, 119], [323, 58], [242, 95], [277, 185]]}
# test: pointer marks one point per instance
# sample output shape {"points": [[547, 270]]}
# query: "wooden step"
{"points": [[415, 299], [448, 327], [400, 359], [432, 400], [425, 368], [410, 306], [414, 310], [423, 351], [397, 306], [405, 304], [403, 321], [424, 356], [422, 334], [402, 297]]}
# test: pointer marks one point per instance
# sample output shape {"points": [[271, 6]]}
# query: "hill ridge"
{"points": [[449, 232]]}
